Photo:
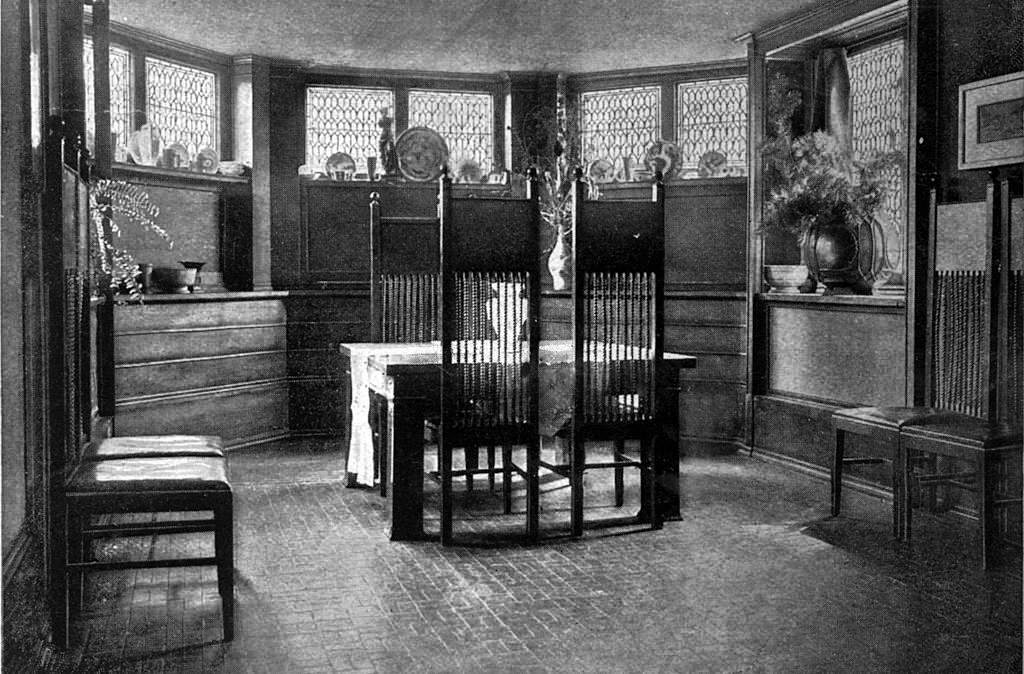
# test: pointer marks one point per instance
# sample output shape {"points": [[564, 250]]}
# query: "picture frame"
{"points": [[991, 122]]}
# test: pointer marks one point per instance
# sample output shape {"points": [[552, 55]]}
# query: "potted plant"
{"points": [[114, 206], [819, 192]]}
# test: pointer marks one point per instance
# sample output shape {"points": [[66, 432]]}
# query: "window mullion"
{"points": [[138, 88]]}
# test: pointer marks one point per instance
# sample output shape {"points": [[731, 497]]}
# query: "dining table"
{"points": [[406, 376]]}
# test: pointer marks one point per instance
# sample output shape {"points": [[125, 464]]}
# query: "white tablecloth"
{"points": [[555, 392]]}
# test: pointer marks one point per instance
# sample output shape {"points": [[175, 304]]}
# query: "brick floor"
{"points": [[755, 578]]}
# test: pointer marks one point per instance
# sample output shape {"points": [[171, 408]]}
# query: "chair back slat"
{"points": [[404, 258], [618, 300], [487, 386], [959, 336]]}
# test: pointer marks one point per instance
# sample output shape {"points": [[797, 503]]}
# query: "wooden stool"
{"points": [[150, 485], [883, 425], [975, 441]]}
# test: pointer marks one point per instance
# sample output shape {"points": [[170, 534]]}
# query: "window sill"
{"points": [[162, 176], [824, 301]]}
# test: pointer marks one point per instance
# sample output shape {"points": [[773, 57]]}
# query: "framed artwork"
{"points": [[991, 122]]}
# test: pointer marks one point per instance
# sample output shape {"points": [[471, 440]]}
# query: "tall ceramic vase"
{"points": [[560, 260]]}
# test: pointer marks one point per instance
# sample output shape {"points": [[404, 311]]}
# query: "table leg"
{"points": [[406, 459], [666, 447]]}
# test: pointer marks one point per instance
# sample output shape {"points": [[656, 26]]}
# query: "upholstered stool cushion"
{"points": [[964, 430], [172, 474], [147, 446], [885, 417]]}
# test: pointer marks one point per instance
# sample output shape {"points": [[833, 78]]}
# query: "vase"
{"points": [[559, 262], [843, 257]]}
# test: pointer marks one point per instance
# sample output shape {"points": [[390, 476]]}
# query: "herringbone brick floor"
{"points": [[755, 577]]}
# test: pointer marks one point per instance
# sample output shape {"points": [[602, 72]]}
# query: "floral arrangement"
{"points": [[113, 206], [812, 178]]}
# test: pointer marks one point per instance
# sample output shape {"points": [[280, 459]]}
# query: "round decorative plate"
{"points": [[338, 163], [207, 160], [144, 145], [662, 156], [421, 153], [601, 171], [712, 164]]}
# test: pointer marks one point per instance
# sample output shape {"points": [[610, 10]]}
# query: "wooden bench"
{"points": [[149, 475]]}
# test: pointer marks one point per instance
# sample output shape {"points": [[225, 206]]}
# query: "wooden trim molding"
{"points": [[831, 19]]}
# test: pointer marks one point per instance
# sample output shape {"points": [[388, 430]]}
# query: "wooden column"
{"points": [[251, 92]]}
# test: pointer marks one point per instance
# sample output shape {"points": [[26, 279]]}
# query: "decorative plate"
{"points": [[338, 163], [144, 145], [601, 171], [207, 160], [712, 164], [421, 153], [662, 156]]}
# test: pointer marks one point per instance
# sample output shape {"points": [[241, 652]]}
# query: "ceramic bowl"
{"points": [[172, 279], [785, 278]]}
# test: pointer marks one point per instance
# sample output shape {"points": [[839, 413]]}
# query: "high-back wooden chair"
{"points": [[972, 381], [975, 376], [618, 340], [490, 337], [405, 258]]}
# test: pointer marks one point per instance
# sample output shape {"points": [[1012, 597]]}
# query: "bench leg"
{"points": [[648, 483], [490, 467], [472, 464], [76, 552], [987, 470], [620, 449], [837, 471], [908, 505], [506, 477], [897, 488], [224, 550]]}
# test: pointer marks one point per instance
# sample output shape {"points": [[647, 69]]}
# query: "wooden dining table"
{"points": [[407, 377]]}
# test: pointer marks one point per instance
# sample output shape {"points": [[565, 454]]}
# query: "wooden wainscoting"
{"points": [[202, 364], [319, 390]]}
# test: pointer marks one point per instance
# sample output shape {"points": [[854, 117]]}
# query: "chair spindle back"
{"points": [[618, 305], [404, 258]]}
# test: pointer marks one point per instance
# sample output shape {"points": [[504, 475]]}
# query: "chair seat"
{"points": [[153, 446], [884, 417], [178, 474], [966, 431]]}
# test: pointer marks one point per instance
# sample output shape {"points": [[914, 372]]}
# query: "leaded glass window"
{"points": [[877, 92], [120, 93], [181, 101], [619, 124], [464, 119], [344, 119], [711, 124]]}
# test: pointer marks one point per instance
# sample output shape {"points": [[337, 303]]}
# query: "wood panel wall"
{"points": [[202, 367]]}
